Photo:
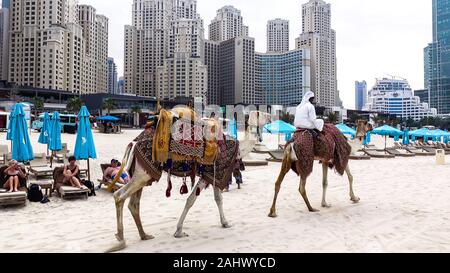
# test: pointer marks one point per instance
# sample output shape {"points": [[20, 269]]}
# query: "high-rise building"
{"points": [[112, 77], [283, 78], [121, 85], [321, 40], [277, 36], [437, 58], [237, 72], [360, 95], [395, 96], [46, 44], [228, 24], [95, 57], [4, 40], [164, 50], [423, 94], [212, 61]]}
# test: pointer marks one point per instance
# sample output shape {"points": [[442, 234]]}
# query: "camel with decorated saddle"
{"points": [[330, 147], [182, 145]]}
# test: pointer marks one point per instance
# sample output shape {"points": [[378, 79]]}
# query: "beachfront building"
{"points": [[121, 86], [318, 36], [283, 78], [360, 95], [112, 77], [395, 96], [212, 62], [437, 59], [227, 24], [46, 45], [95, 57], [277, 36], [4, 40]]}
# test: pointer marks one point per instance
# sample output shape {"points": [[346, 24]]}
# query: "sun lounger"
{"points": [[396, 152], [377, 154], [276, 156], [359, 157], [4, 154], [39, 168], [63, 154], [13, 199], [261, 149], [67, 192], [255, 163], [418, 152], [106, 181]]}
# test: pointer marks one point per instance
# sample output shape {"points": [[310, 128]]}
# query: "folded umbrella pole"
{"points": [[84, 146]]}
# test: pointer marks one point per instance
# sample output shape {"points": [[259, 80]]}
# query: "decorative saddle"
{"points": [[182, 136]]}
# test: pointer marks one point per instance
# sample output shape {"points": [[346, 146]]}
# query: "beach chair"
{"points": [[398, 153], [82, 171], [418, 152], [39, 167], [61, 155], [255, 163], [66, 191], [377, 154], [106, 181], [12, 199], [276, 156], [4, 154], [260, 149]]}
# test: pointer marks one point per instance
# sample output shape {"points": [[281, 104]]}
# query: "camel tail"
{"points": [[122, 167]]}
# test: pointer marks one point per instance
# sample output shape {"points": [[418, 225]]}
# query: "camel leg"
{"points": [[219, 200], [189, 204], [138, 182], [285, 168], [305, 197], [134, 207], [325, 186], [353, 197]]}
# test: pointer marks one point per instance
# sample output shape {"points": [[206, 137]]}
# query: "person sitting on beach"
{"points": [[13, 172], [305, 116], [111, 172], [71, 173]]}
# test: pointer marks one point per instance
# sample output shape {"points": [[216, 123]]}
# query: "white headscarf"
{"points": [[307, 97]]}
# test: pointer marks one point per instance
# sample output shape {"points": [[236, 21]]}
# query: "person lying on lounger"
{"points": [[71, 173], [13, 174], [111, 172]]}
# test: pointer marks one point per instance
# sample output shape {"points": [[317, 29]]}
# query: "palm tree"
{"points": [[333, 117], [38, 104], [109, 104], [74, 104], [354, 117], [286, 117], [136, 110]]}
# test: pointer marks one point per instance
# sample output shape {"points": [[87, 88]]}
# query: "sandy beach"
{"points": [[405, 207]]}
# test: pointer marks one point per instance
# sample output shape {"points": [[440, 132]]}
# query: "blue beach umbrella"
{"points": [[232, 129], [85, 146], [54, 143], [22, 151], [280, 127], [45, 130], [345, 130], [406, 137], [108, 118], [388, 131], [10, 128]]}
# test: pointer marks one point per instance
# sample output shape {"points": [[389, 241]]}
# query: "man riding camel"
{"points": [[305, 115]]}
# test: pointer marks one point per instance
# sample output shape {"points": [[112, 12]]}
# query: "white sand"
{"points": [[405, 207]]}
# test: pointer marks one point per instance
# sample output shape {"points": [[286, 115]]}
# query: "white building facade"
{"points": [[321, 40], [277, 36], [227, 24], [4, 40], [395, 96]]}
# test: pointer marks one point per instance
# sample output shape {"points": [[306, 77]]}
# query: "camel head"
{"points": [[362, 128]]}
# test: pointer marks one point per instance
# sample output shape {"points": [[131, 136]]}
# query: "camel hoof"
{"points": [[314, 210], [326, 205], [273, 214], [180, 235], [226, 225], [121, 246], [147, 237], [355, 199]]}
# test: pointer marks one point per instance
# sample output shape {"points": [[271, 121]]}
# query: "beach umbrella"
{"points": [[54, 142], [345, 130], [232, 129], [386, 131], [84, 145], [45, 130], [108, 118], [281, 128], [405, 137], [10, 128], [22, 151]]}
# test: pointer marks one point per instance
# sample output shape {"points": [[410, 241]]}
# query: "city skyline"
{"points": [[398, 30]]}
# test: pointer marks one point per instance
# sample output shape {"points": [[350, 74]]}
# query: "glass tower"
{"points": [[437, 58]]}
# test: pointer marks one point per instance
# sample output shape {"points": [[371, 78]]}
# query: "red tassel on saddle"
{"points": [[184, 189], [169, 188]]}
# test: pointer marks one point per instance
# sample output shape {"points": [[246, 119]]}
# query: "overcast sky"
{"points": [[374, 38]]}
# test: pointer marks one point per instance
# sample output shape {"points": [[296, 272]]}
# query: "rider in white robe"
{"points": [[305, 116]]}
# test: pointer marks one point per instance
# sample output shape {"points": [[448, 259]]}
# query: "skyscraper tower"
{"points": [[321, 40], [228, 24], [437, 59], [277, 36]]}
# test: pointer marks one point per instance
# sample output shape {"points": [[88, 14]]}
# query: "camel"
{"points": [[145, 172], [297, 162]]}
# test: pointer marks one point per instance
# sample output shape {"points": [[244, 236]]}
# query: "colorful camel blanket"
{"points": [[330, 146]]}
